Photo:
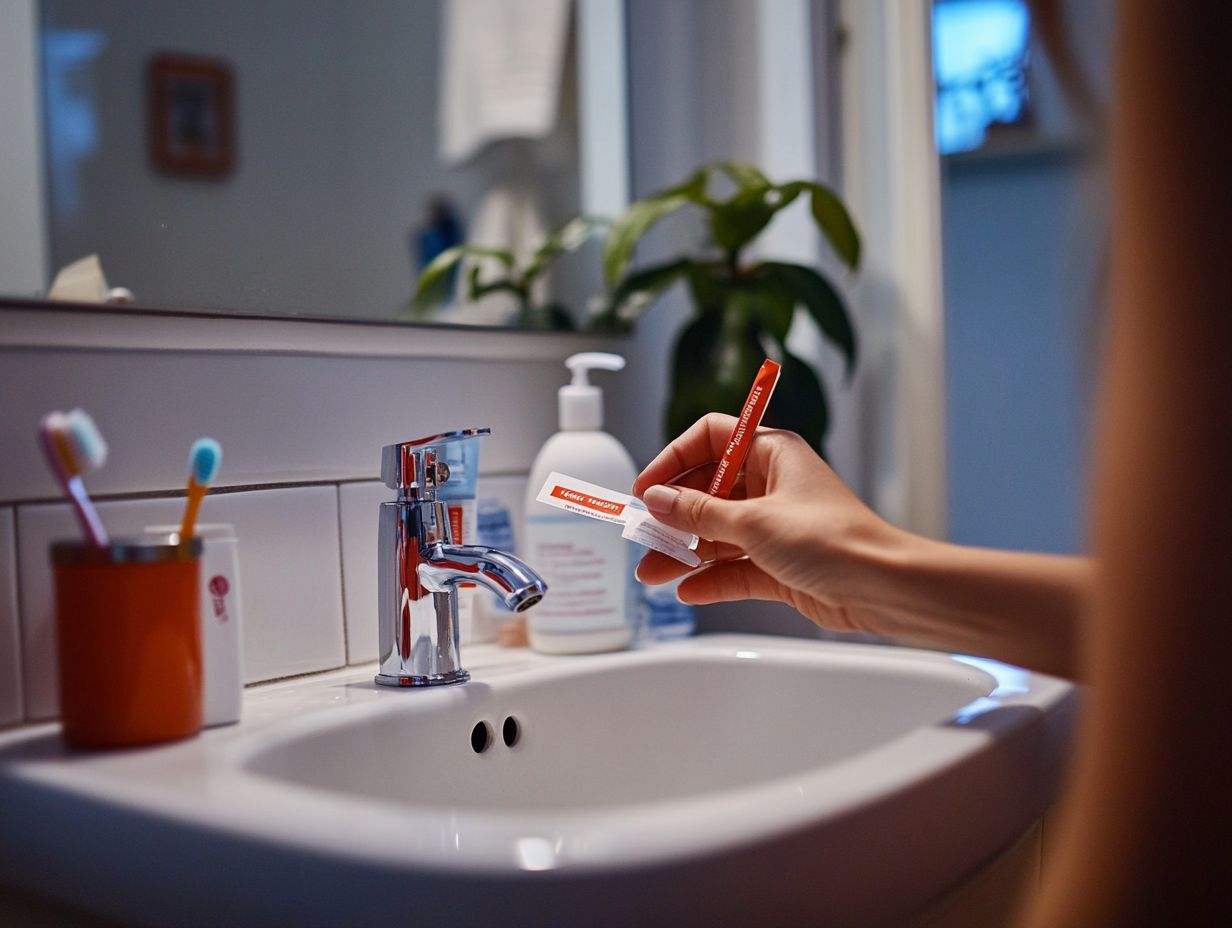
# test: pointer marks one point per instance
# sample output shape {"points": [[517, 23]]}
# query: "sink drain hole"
{"points": [[511, 731], [481, 737]]}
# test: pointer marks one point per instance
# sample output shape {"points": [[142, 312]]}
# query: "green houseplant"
{"points": [[742, 310], [516, 276]]}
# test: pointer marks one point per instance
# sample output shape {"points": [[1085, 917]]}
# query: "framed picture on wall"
{"points": [[192, 115]]}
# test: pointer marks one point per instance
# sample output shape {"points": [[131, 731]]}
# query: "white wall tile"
{"points": [[291, 578], [10, 630], [359, 507], [289, 564], [281, 419]]}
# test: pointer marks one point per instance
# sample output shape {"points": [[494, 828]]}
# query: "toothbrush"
{"points": [[203, 461], [73, 445]]}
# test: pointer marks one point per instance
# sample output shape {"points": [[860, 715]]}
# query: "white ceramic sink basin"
{"points": [[725, 780], [676, 725]]}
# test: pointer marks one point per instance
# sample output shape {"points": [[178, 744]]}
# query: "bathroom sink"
{"points": [[721, 780], [681, 724]]}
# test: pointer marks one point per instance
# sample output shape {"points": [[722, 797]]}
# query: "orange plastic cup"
{"points": [[128, 641]]}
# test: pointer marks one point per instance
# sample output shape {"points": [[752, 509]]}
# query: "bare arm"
{"points": [[800, 536], [1150, 807], [1025, 609]]}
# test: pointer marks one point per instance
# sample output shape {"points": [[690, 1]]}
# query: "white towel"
{"points": [[502, 70]]}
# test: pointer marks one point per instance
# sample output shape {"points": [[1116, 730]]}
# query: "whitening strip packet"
{"points": [[587, 499]]}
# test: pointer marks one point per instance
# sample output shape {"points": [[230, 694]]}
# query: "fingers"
{"points": [[697, 479], [659, 568], [697, 512], [701, 444], [726, 581], [655, 568]]}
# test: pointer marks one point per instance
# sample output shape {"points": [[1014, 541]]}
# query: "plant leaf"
{"points": [[767, 304], [569, 237], [428, 289], [742, 174], [479, 290], [715, 359], [799, 403], [693, 186], [819, 298], [551, 317], [708, 283], [693, 344], [638, 289], [790, 191], [736, 222], [835, 223], [637, 220]]}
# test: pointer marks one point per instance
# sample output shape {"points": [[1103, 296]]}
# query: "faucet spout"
{"points": [[419, 568], [445, 565]]}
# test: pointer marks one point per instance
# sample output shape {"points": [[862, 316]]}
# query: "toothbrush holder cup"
{"points": [[128, 641]]}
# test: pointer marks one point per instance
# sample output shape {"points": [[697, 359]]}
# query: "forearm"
{"points": [[1025, 609]]}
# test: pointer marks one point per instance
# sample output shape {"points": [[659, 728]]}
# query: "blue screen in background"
{"points": [[980, 55]]}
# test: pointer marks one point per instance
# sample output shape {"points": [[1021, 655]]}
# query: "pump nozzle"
{"points": [[585, 361], [581, 405]]}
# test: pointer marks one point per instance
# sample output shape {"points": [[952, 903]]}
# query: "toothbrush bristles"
{"points": [[72, 444], [204, 459], [89, 450]]}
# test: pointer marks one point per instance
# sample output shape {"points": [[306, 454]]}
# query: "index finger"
{"points": [[701, 444]]}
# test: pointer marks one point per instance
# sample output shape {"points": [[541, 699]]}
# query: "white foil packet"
{"points": [[587, 499]]}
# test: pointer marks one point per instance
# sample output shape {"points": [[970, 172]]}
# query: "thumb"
{"points": [[694, 511]]}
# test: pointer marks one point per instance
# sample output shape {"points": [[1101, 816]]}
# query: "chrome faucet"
{"points": [[419, 567]]}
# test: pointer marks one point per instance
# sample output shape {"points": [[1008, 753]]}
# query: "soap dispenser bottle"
{"points": [[586, 563]]}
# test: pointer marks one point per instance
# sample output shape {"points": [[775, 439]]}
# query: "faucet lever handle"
{"points": [[416, 468]]}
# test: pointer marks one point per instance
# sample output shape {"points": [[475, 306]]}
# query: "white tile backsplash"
{"points": [[10, 630], [291, 567], [289, 559], [359, 507], [280, 419]]}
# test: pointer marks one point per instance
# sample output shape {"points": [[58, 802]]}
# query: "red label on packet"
{"points": [[598, 504], [746, 426]]}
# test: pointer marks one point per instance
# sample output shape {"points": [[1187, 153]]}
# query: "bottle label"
{"points": [[575, 561]]}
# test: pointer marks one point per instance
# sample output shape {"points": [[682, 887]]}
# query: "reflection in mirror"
{"points": [[311, 157]]}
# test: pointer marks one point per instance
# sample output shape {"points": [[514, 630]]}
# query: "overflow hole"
{"points": [[511, 731], [481, 737]]}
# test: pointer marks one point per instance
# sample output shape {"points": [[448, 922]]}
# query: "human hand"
{"points": [[792, 532]]}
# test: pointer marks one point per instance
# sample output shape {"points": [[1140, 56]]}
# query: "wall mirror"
{"points": [[308, 157]]}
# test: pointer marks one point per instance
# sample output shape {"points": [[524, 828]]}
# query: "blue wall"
{"points": [[1021, 252]]}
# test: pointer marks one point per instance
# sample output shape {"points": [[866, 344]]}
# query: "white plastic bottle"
{"points": [[591, 604]]}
